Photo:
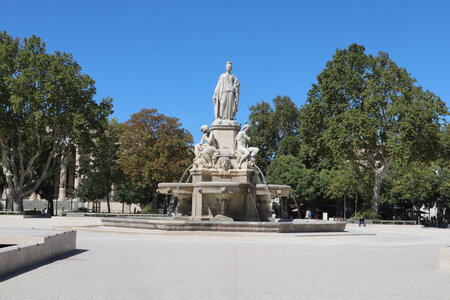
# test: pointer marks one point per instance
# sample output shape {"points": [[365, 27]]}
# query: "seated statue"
{"points": [[206, 149], [244, 152]]}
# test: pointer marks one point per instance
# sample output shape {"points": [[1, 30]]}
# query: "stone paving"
{"points": [[375, 262]]}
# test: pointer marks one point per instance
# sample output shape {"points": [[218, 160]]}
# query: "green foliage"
{"points": [[368, 215], [418, 184], [287, 169], [46, 104], [90, 190], [365, 109], [130, 192], [340, 180], [100, 168], [289, 145], [149, 209], [274, 128]]}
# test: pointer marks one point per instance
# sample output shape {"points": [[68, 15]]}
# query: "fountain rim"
{"points": [[183, 187]]}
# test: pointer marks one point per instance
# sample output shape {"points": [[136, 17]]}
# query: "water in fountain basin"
{"points": [[256, 209], [173, 205], [178, 202], [298, 206], [266, 186], [154, 200]]}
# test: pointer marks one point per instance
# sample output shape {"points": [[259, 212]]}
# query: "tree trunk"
{"points": [[8, 201], [17, 203], [107, 202], [380, 174], [107, 195], [50, 207]]}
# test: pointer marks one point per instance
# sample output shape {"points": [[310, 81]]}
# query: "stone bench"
{"points": [[385, 222], [394, 222], [36, 216]]}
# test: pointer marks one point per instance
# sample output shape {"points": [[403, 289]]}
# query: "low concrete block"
{"points": [[305, 225], [33, 249]]}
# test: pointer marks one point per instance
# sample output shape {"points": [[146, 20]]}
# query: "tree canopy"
{"points": [[99, 163], [46, 104], [272, 128], [154, 148], [367, 110]]}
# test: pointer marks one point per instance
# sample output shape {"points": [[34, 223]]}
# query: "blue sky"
{"points": [[168, 55]]}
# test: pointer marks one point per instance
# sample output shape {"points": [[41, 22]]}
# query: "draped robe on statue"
{"points": [[226, 97]]}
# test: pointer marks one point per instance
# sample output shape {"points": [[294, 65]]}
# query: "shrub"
{"points": [[148, 209], [367, 214], [83, 209]]}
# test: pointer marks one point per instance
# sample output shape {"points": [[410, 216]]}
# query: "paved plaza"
{"points": [[375, 262]]}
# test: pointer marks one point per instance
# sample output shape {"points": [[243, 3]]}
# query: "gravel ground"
{"points": [[375, 262]]}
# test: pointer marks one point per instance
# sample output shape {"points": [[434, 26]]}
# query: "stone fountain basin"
{"points": [[218, 187], [177, 224]]}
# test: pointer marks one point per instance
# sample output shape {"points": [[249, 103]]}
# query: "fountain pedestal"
{"points": [[231, 193], [223, 188], [225, 132]]}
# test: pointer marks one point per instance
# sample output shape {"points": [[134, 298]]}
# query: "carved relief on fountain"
{"points": [[224, 163]]}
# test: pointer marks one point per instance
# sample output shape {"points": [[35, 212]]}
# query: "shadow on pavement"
{"points": [[46, 262]]}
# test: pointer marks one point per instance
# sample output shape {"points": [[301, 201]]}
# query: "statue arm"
{"points": [[203, 140]]}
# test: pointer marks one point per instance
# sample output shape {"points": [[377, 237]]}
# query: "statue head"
{"points": [[204, 128], [228, 66], [246, 128]]}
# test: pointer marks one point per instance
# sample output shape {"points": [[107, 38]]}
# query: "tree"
{"points": [[274, 128], [287, 169], [130, 192], [154, 148], [367, 110], [91, 188], [417, 184], [100, 169], [3, 185], [46, 104], [341, 180]]}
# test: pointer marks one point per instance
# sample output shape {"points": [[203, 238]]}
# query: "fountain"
{"points": [[224, 193]]}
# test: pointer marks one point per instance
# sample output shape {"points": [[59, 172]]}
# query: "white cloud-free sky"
{"points": [[168, 55]]}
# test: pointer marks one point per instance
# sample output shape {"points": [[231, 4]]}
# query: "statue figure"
{"points": [[207, 146], [226, 95], [241, 145]]}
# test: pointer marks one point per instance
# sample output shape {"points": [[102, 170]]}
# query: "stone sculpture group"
{"points": [[223, 177], [210, 153]]}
